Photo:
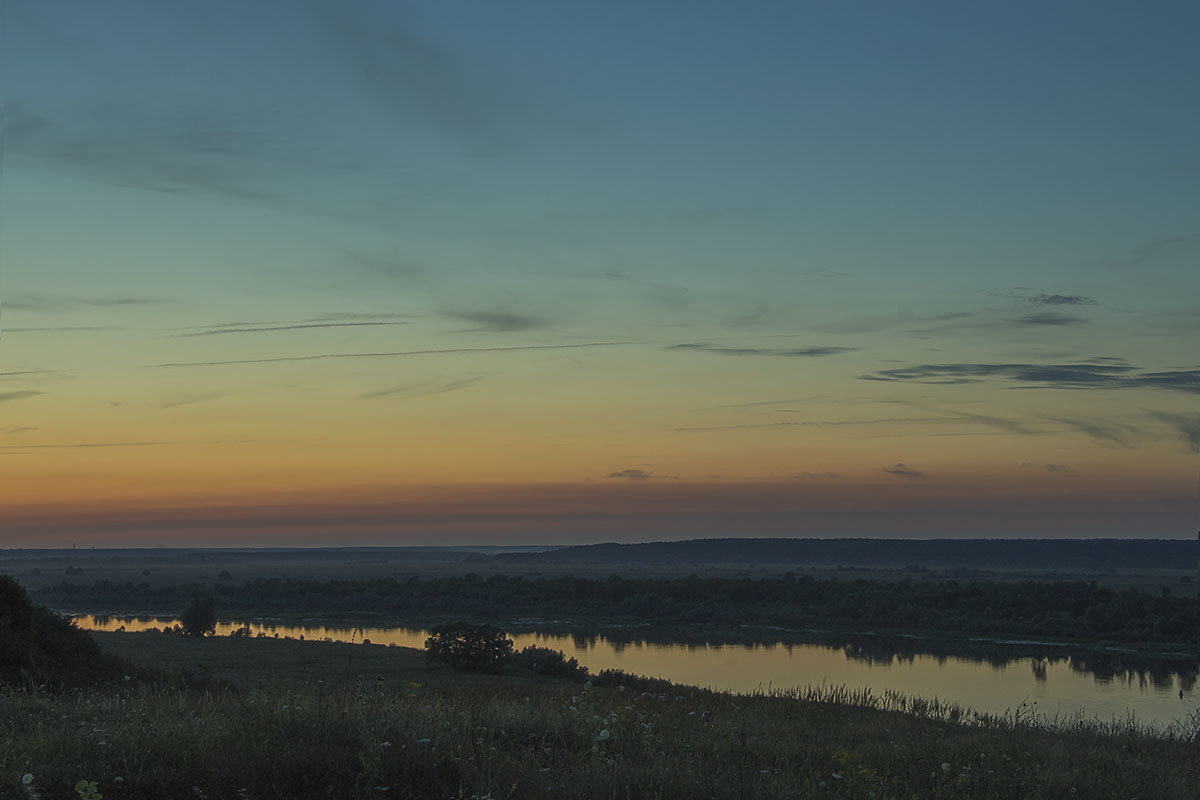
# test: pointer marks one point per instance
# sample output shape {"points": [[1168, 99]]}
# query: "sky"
{"points": [[372, 273]]}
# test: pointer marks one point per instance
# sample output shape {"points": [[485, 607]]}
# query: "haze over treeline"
{"points": [[1036, 554]]}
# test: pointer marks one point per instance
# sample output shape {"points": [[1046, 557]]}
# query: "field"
{"points": [[37, 569], [287, 719]]}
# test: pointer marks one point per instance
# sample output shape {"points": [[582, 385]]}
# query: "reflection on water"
{"points": [[985, 675]]}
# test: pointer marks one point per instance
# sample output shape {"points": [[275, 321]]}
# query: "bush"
{"points": [[200, 617], [545, 661], [40, 647], [469, 648]]}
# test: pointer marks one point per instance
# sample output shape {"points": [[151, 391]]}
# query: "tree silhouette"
{"points": [[200, 617]]}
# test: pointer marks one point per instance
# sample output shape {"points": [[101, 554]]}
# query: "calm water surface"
{"points": [[1058, 685]]}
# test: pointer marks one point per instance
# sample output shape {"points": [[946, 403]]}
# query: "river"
{"points": [[991, 677]]}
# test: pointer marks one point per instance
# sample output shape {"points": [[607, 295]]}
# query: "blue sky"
{"points": [[920, 251]]}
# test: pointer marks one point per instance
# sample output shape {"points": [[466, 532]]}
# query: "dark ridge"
{"points": [[39, 648], [1049, 554]]}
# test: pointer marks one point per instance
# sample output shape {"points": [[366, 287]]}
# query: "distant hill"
{"points": [[1055, 554]]}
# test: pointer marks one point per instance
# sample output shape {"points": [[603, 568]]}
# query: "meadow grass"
{"points": [[329, 729]]}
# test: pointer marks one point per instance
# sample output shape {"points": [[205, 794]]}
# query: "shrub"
{"points": [[39, 646], [545, 661], [200, 617], [469, 648]]}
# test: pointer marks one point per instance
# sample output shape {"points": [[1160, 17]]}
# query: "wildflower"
{"points": [[836, 776], [27, 779], [424, 741], [604, 734], [946, 767]]}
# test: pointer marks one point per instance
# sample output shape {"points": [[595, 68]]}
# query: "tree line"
{"points": [[1062, 609]]}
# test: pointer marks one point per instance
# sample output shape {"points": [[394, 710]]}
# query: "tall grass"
{"points": [[562, 740]]}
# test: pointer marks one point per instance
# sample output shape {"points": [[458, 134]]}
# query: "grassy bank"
{"points": [[314, 719]]}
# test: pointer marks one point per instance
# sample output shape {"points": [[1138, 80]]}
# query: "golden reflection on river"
{"points": [[1051, 687]]}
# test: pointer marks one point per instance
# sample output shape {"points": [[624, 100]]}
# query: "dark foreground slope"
{"points": [[1024, 554], [38, 648], [335, 731]]}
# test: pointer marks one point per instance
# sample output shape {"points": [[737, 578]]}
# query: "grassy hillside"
{"points": [[310, 719], [40, 648]]}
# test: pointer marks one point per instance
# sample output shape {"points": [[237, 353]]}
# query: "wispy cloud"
{"points": [[393, 354], [187, 400], [413, 77], [218, 330], [1061, 300], [337, 316], [1154, 249], [1002, 423], [6, 397], [1057, 468], [58, 302], [226, 152], [1103, 431], [824, 423], [1050, 318], [499, 321], [902, 470], [1047, 376], [631, 475], [15, 430], [1186, 425], [420, 390], [60, 328], [801, 352]]}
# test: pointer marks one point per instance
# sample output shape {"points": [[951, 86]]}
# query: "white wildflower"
{"points": [[27, 779]]}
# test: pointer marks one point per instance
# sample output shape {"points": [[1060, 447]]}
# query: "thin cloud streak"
{"points": [[187, 401], [631, 475], [399, 353], [1009, 426], [1050, 318], [420, 391], [1047, 376], [803, 352], [6, 397], [55, 302], [902, 470], [296, 327], [499, 321], [1061, 300]]}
